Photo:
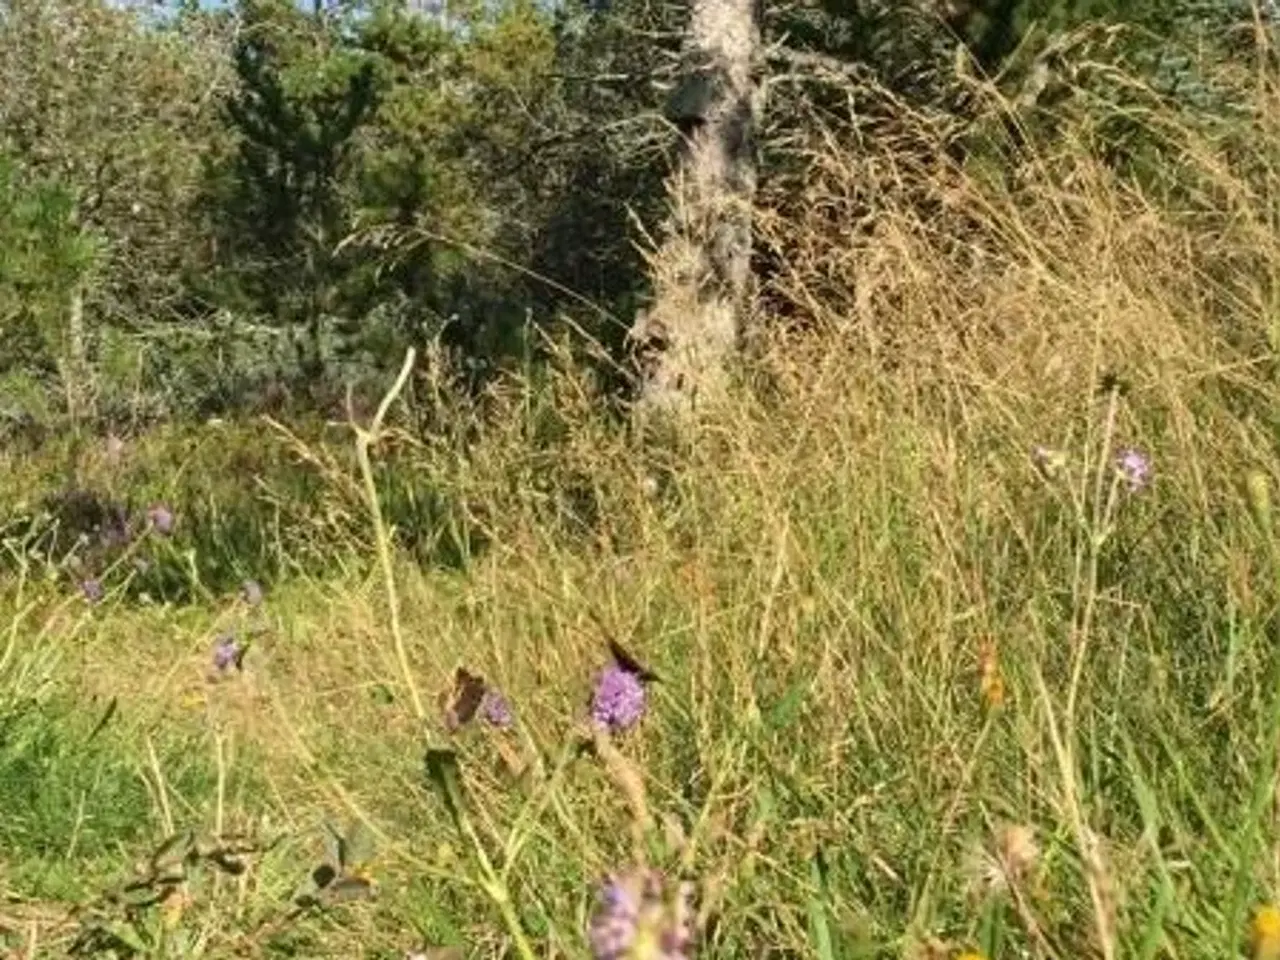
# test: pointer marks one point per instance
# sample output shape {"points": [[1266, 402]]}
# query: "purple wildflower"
{"points": [[92, 589], [161, 518], [496, 709], [251, 592], [613, 927], [1135, 468], [227, 653], [638, 918], [619, 699]]}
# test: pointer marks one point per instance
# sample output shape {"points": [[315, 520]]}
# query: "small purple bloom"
{"points": [[613, 927], [161, 518], [92, 590], [619, 699], [496, 710], [227, 653], [251, 592], [1135, 468], [638, 917]]}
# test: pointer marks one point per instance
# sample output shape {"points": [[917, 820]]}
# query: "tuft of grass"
{"points": [[75, 797]]}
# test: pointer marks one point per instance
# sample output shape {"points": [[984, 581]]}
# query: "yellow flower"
{"points": [[174, 907], [192, 700], [971, 956], [1266, 933]]}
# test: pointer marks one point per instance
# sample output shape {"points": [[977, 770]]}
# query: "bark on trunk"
{"points": [[701, 271], [74, 361]]}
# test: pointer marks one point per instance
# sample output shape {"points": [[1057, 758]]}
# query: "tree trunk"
{"points": [[73, 362], [701, 272]]}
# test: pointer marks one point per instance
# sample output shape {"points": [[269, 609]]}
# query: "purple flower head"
{"points": [[1135, 468], [161, 518], [227, 653], [496, 709], [251, 592], [613, 926], [92, 589], [638, 917], [619, 699]]}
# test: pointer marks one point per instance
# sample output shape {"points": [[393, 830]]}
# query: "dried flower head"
{"points": [[1018, 851], [161, 519], [1009, 864], [1135, 468], [92, 590], [641, 917], [251, 592]]}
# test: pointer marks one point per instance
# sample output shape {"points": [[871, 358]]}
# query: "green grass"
{"points": [[833, 574], [820, 734]]}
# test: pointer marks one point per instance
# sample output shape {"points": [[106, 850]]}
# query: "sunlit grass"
{"points": [[923, 690]]}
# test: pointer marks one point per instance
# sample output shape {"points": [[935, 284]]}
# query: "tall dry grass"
{"points": [[922, 691]]}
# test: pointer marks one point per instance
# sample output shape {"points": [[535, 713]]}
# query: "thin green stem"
{"points": [[364, 440], [1097, 534], [533, 810], [496, 888]]}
